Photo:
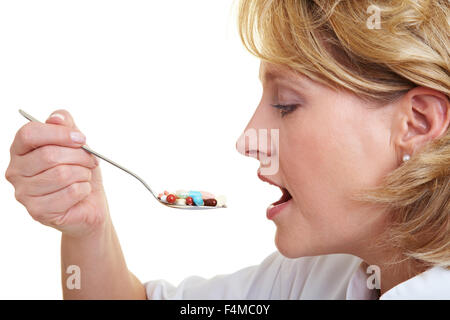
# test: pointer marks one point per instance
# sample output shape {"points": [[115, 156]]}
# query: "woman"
{"points": [[359, 96]]}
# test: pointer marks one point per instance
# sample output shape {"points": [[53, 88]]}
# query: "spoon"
{"points": [[86, 148]]}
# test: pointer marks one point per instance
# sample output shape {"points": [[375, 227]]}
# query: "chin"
{"points": [[287, 247]]}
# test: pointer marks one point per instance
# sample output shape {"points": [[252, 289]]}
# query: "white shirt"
{"points": [[335, 276]]}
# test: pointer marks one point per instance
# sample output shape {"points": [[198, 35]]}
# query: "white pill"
{"points": [[180, 202], [221, 201]]}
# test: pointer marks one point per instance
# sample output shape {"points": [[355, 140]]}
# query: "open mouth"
{"points": [[285, 197]]}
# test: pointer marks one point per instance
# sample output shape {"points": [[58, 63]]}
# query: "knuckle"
{"points": [[18, 194], [94, 161], [9, 174], [49, 155], [73, 190], [78, 190], [62, 173], [36, 215], [24, 134], [85, 174]]}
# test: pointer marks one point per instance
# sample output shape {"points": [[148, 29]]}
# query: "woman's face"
{"points": [[331, 144]]}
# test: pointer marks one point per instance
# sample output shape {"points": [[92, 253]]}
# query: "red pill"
{"points": [[171, 198], [210, 202], [189, 201]]}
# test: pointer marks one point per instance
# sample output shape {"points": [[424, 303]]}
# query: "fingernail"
{"points": [[57, 115], [77, 137]]}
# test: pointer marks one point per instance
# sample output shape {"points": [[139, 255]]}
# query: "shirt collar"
{"points": [[433, 283]]}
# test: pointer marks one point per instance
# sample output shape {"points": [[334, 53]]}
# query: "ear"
{"points": [[423, 114]]}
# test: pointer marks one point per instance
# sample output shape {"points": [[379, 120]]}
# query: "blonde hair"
{"points": [[330, 42]]}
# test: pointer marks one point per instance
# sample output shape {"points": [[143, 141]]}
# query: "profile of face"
{"points": [[330, 145]]}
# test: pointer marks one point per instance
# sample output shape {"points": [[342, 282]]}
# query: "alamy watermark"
{"points": [[74, 280], [374, 280], [263, 146], [374, 20]]}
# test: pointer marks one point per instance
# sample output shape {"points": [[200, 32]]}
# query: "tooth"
{"points": [[270, 207]]}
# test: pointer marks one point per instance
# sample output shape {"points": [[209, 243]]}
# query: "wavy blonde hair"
{"points": [[329, 41]]}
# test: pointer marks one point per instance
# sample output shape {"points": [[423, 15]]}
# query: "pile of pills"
{"points": [[192, 198]]}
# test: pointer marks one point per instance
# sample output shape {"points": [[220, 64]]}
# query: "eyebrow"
{"points": [[271, 75]]}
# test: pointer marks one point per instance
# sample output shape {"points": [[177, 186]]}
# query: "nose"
{"points": [[256, 140], [248, 143]]}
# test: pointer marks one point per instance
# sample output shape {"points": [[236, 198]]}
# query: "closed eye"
{"points": [[285, 109]]}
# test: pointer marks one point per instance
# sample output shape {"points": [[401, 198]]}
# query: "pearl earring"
{"points": [[406, 157]]}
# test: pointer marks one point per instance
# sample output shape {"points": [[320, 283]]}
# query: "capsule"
{"points": [[210, 202], [198, 200], [207, 195], [194, 194]]}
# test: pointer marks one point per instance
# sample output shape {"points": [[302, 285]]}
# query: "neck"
{"points": [[394, 268]]}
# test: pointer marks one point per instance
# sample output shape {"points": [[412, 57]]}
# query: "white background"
{"points": [[162, 87]]}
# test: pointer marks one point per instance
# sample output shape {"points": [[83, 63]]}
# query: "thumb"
{"points": [[62, 117]]}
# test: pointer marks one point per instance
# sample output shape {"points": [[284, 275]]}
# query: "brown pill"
{"points": [[210, 202]]}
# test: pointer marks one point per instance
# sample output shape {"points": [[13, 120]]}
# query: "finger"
{"points": [[47, 157], [62, 117], [54, 179], [36, 134], [57, 202]]}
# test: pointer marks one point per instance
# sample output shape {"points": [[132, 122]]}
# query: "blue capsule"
{"points": [[198, 200], [194, 194]]}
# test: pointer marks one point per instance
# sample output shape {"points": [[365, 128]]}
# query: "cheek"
{"points": [[318, 182], [316, 163], [333, 155], [323, 165], [325, 162]]}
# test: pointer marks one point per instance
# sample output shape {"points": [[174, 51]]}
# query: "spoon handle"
{"points": [[86, 148]]}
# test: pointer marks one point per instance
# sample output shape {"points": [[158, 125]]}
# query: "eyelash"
{"points": [[285, 108]]}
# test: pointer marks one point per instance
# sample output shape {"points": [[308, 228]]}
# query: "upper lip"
{"points": [[263, 178]]}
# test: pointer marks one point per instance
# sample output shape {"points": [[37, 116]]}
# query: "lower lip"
{"points": [[273, 211]]}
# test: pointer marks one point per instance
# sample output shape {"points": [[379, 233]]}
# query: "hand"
{"points": [[59, 183]]}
